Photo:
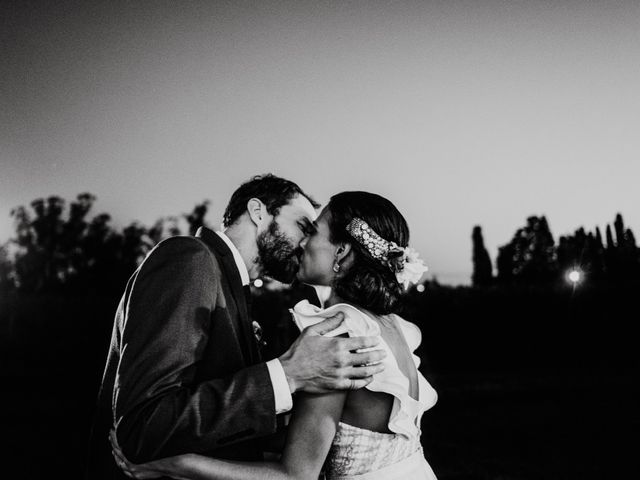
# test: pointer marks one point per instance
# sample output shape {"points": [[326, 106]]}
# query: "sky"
{"points": [[462, 113]]}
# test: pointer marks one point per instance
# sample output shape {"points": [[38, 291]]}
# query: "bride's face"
{"points": [[316, 267]]}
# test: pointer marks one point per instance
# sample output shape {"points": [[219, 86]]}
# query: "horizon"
{"points": [[443, 278]]}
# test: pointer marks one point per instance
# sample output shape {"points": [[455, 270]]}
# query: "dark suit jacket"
{"points": [[183, 372]]}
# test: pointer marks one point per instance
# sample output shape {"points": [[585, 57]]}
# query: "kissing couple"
{"points": [[185, 393]]}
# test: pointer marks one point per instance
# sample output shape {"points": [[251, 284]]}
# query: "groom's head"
{"points": [[281, 215]]}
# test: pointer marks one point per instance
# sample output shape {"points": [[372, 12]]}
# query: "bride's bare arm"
{"points": [[311, 430]]}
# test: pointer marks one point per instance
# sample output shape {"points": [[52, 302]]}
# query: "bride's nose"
{"points": [[303, 242]]}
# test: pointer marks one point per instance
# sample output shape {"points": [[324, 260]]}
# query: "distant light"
{"points": [[420, 288], [574, 276], [258, 283]]}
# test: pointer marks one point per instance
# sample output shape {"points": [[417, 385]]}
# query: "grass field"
{"points": [[538, 425], [550, 422], [534, 425]]}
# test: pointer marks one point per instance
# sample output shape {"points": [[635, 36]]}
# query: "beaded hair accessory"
{"points": [[403, 261]]}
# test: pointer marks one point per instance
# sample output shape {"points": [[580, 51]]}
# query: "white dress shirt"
{"points": [[281, 391]]}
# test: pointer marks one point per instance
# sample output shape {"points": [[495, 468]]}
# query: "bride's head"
{"points": [[348, 250]]}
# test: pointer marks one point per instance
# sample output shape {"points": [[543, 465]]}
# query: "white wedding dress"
{"points": [[361, 454]]}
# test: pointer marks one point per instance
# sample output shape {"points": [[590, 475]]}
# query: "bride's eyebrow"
{"points": [[310, 226]]}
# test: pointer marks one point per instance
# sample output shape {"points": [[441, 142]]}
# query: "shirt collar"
{"points": [[242, 267]]}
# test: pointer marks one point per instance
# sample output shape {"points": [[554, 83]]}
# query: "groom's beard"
{"points": [[277, 256]]}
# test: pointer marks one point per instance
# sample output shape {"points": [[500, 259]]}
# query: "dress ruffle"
{"points": [[406, 411]]}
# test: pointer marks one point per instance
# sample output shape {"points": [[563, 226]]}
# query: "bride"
{"points": [[359, 249]]}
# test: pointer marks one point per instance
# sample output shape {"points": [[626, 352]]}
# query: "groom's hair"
{"points": [[271, 190]]}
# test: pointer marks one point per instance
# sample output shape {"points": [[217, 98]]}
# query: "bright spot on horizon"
{"points": [[575, 276], [420, 288]]}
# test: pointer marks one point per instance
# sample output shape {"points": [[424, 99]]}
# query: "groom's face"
{"points": [[279, 246]]}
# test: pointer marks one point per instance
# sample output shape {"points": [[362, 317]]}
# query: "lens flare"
{"points": [[574, 276]]}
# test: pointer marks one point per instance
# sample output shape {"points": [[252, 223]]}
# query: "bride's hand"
{"points": [[165, 467]]}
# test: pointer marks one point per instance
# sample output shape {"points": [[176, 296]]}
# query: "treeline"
{"points": [[56, 249], [60, 249], [533, 258]]}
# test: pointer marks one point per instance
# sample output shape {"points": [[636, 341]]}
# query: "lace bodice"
{"points": [[356, 451]]}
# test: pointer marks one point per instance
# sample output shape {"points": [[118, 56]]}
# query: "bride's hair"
{"points": [[369, 282]]}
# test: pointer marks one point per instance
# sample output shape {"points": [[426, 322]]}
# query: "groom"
{"points": [[184, 372]]}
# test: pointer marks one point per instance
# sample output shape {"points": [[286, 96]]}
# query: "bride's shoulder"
{"points": [[411, 332], [356, 321]]}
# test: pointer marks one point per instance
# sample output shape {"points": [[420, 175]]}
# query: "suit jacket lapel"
{"points": [[230, 270]]}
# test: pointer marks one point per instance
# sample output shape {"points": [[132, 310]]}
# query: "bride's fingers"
{"points": [[121, 461], [123, 466], [118, 455], [117, 452], [114, 441], [131, 470]]}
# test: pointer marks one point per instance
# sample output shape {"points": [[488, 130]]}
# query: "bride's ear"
{"points": [[342, 251]]}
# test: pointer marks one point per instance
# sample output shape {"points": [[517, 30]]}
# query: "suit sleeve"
{"points": [[158, 406]]}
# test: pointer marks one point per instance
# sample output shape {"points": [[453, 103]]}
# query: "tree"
{"points": [[530, 257], [51, 252], [584, 251], [184, 224], [482, 270], [196, 217], [505, 264], [618, 224]]}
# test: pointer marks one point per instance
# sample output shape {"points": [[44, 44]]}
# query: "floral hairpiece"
{"points": [[403, 261]]}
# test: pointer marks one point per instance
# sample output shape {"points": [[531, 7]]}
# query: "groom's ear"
{"points": [[257, 211]]}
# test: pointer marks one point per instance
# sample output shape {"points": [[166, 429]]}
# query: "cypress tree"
{"points": [[482, 269]]}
